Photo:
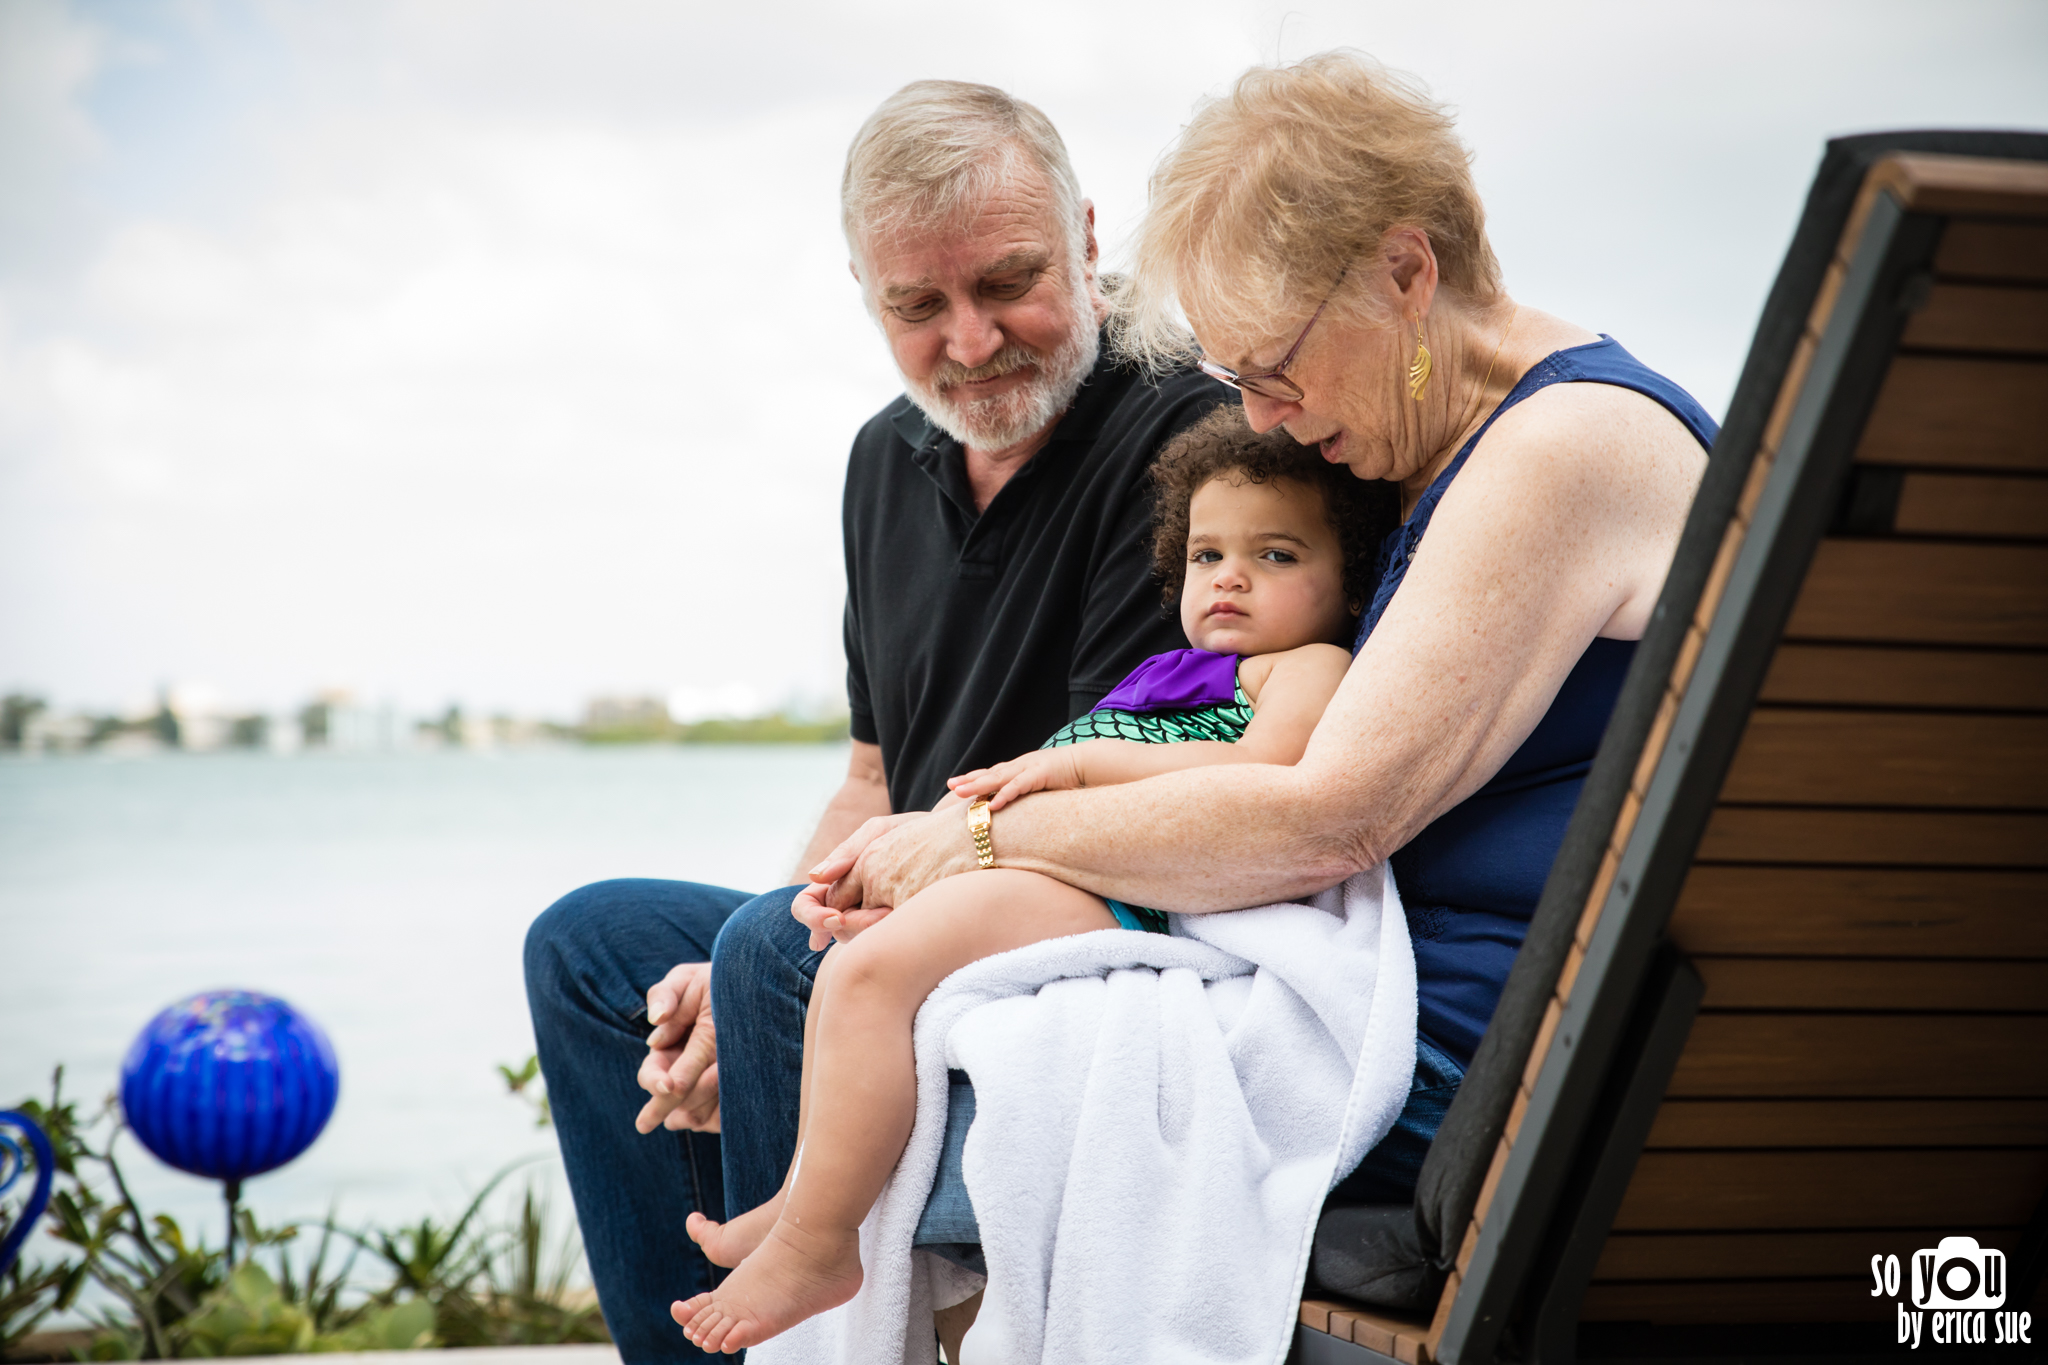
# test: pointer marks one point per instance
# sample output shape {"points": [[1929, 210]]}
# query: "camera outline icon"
{"points": [[1936, 1270]]}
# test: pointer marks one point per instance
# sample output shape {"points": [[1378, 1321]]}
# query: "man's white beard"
{"points": [[1006, 419]]}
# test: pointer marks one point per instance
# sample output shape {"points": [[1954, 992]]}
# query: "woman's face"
{"points": [[1354, 405], [1353, 375], [1265, 569]]}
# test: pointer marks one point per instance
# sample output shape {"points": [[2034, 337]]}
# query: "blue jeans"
{"points": [[590, 958], [1389, 1171]]}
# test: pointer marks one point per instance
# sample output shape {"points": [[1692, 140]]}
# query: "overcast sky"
{"points": [[504, 350]]}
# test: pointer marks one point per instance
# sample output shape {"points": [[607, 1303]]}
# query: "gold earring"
{"points": [[1418, 368]]}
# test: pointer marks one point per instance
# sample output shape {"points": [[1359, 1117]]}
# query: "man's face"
{"points": [[991, 325]]}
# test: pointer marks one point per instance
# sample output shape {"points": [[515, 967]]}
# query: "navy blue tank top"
{"points": [[1471, 879]]}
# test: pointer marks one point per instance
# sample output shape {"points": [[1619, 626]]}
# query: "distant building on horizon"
{"points": [[625, 713]]}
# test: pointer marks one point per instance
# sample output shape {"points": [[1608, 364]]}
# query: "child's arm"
{"points": [[1288, 693]]}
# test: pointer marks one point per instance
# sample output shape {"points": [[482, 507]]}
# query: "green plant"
{"points": [[29, 1293], [469, 1283], [146, 1267], [491, 1286], [526, 1084], [522, 1296], [170, 1296]]}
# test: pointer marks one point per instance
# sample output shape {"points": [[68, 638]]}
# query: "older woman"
{"points": [[1319, 230]]}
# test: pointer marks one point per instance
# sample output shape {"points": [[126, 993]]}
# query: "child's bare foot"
{"points": [[728, 1243], [794, 1274]]}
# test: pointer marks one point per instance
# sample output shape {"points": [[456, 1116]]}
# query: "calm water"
{"points": [[387, 896]]}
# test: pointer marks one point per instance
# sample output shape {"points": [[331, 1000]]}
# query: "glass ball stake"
{"points": [[228, 1085], [13, 1162]]}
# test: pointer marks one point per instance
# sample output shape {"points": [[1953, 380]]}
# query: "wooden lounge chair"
{"points": [[1784, 1006]]}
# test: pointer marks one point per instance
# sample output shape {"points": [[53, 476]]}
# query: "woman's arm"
{"points": [[1560, 529], [1288, 690]]}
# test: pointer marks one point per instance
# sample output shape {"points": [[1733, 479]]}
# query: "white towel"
{"points": [[1157, 1121]]}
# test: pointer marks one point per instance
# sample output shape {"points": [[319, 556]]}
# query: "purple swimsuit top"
{"points": [[1180, 680]]}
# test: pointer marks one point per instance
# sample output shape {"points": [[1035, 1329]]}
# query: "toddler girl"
{"points": [[1267, 548]]}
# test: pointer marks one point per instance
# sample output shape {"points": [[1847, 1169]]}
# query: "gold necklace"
{"points": [[1406, 509], [1496, 352]]}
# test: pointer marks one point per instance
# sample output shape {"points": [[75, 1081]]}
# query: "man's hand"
{"points": [[1041, 770], [827, 924], [681, 1067], [819, 908]]}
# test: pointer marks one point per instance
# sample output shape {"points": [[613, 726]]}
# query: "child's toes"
{"points": [[686, 1311], [717, 1327]]}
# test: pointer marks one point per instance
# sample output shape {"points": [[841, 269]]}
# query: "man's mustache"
{"points": [[951, 372]]}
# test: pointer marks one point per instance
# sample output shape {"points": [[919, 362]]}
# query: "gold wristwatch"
{"points": [[979, 823]]}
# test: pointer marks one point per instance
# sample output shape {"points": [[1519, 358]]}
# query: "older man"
{"points": [[997, 586]]}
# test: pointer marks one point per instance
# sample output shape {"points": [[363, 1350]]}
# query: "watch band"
{"points": [[981, 824]]}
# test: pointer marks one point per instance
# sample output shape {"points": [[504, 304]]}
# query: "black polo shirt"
{"points": [[971, 638]]}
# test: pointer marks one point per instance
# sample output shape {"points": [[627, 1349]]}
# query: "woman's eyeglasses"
{"points": [[1273, 383]]}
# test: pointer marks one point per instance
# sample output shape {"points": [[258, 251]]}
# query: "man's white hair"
{"points": [[935, 149]]}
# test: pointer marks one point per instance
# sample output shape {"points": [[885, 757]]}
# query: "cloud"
{"points": [[504, 351], [45, 139]]}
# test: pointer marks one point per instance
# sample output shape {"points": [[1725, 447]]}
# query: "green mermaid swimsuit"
{"points": [[1223, 722], [1189, 694]]}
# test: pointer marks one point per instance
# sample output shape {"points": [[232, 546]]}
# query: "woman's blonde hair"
{"points": [[1275, 188]]}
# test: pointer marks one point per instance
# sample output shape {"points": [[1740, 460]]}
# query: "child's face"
{"points": [[1265, 569]]}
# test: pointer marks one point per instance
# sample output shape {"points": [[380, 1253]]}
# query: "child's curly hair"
{"points": [[1361, 511]]}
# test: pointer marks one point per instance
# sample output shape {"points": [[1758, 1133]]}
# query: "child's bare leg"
{"points": [[728, 1243], [862, 1094]]}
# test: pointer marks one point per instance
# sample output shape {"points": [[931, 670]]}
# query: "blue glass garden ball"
{"points": [[229, 1084]]}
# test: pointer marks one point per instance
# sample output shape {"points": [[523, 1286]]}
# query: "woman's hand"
{"points": [[1041, 770], [920, 850], [840, 860], [839, 917]]}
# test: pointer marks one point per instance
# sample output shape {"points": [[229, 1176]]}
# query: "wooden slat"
{"points": [[1978, 186], [1908, 592], [1933, 1189], [1375, 1328], [1730, 1301], [1891, 758], [1981, 318], [1851, 1123], [1943, 412], [1761, 1255], [1778, 983], [1993, 250], [1782, 834], [1861, 912], [1864, 1056], [1989, 506], [1865, 675], [1378, 1331]]}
